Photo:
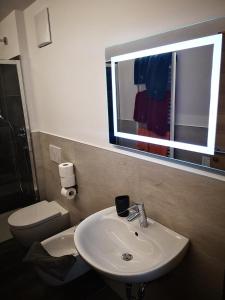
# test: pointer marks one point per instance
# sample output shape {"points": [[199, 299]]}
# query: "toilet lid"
{"points": [[34, 214]]}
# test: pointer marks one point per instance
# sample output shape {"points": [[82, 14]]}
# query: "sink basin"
{"points": [[126, 252]]}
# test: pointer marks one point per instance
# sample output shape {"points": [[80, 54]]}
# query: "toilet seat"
{"points": [[35, 214]]}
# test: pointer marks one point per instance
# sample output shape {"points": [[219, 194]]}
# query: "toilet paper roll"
{"points": [[67, 181], [66, 169], [69, 193]]}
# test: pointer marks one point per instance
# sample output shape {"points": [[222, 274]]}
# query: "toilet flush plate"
{"points": [[55, 153]]}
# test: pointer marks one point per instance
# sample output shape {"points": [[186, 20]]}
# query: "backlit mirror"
{"points": [[163, 99]]}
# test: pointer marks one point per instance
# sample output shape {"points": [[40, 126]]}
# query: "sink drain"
{"points": [[127, 256]]}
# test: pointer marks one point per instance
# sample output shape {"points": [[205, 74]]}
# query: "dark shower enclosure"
{"points": [[16, 183]]}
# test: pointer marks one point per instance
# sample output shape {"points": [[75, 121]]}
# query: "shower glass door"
{"points": [[16, 173]]}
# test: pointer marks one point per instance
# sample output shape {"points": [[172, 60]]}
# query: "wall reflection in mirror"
{"points": [[169, 96]]}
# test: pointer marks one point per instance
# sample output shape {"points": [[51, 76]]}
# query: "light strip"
{"points": [[216, 41], [214, 92]]}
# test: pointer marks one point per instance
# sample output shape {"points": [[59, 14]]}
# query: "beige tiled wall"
{"points": [[38, 163], [190, 204]]}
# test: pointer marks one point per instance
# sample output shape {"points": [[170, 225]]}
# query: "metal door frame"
{"points": [[26, 119]]}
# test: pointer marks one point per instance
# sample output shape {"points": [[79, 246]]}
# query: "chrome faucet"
{"points": [[138, 211]]}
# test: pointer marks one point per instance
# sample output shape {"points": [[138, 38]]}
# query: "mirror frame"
{"points": [[216, 41]]}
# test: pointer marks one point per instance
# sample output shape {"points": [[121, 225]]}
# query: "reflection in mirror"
{"points": [[147, 99], [165, 103], [146, 85]]}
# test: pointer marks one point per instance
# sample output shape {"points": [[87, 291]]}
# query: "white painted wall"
{"points": [[8, 28], [69, 75], [26, 69], [13, 28]]}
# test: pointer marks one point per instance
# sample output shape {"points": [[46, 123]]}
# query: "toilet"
{"points": [[59, 245], [38, 222]]}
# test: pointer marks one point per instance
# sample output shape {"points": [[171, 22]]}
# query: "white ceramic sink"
{"points": [[102, 239], [61, 243]]}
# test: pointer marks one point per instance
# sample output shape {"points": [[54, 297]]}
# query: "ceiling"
{"points": [[6, 6]]}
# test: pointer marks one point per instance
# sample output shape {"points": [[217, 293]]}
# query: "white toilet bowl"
{"points": [[38, 221], [59, 245]]}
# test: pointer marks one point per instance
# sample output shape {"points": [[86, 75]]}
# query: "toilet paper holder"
{"points": [[68, 180]]}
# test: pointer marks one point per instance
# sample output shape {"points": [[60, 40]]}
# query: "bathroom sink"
{"points": [[126, 252], [61, 243]]}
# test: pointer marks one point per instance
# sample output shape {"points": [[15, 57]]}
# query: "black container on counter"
{"points": [[122, 204]]}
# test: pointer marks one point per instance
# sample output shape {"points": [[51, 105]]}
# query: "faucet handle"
{"points": [[134, 203], [133, 206], [140, 206], [137, 206]]}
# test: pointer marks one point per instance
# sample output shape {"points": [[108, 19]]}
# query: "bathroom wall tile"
{"points": [[51, 175], [190, 204], [101, 178], [191, 280], [35, 138]]}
